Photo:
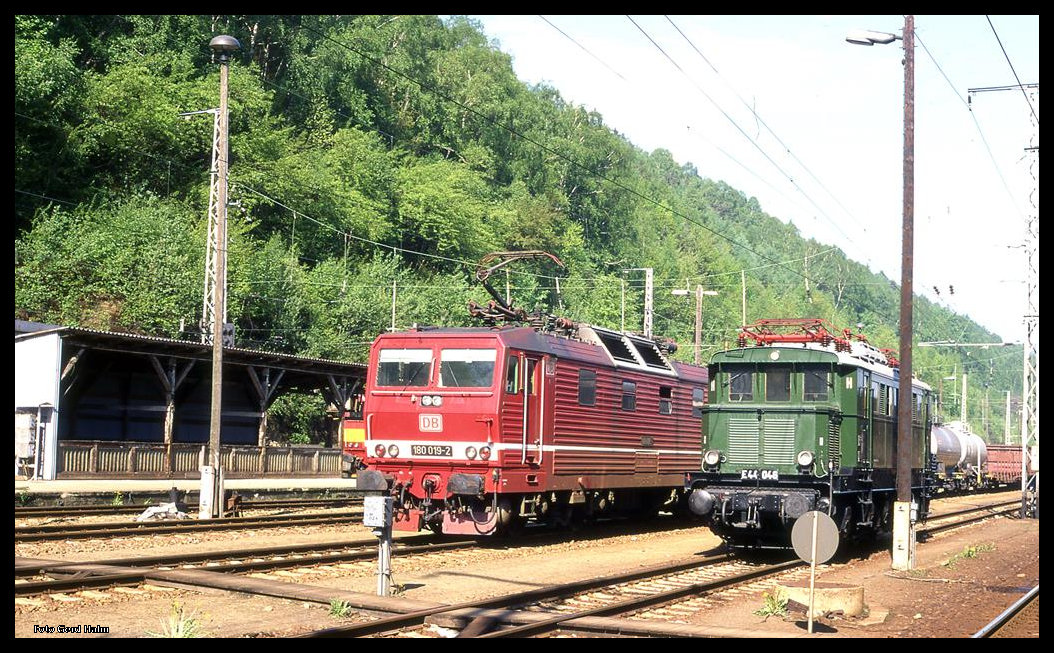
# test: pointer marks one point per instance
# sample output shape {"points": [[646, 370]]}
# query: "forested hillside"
{"points": [[368, 152]]}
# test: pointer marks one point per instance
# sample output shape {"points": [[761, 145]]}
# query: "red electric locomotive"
{"points": [[477, 430]]}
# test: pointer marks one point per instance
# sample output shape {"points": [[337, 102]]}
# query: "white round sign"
{"points": [[826, 536]]}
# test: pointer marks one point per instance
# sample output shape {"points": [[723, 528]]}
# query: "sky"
{"points": [[783, 109]]}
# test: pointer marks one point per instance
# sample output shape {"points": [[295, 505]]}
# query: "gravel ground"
{"points": [[963, 580]]}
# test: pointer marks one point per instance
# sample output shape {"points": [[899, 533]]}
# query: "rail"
{"points": [[1008, 614]]}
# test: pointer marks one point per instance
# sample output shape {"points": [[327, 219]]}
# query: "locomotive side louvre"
{"points": [[630, 436]]}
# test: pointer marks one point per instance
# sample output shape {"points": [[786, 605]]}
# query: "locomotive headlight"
{"points": [[393, 451], [484, 453], [805, 458], [426, 400], [379, 451], [470, 452], [437, 401], [712, 458]]}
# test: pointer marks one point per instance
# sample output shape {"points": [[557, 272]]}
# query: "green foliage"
{"points": [[179, 623], [298, 418], [339, 609], [775, 604], [968, 552], [117, 500], [443, 208], [367, 150], [49, 100], [132, 265]]}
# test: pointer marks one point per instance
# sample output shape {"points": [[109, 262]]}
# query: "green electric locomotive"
{"points": [[804, 420]]}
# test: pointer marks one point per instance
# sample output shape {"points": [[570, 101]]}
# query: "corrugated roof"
{"points": [[189, 345]]}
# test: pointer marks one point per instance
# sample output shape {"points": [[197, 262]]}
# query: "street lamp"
{"points": [[211, 495], [903, 532], [699, 292], [868, 37]]}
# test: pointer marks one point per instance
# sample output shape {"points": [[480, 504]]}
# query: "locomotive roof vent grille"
{"points": [[628, 351], [649, 351], [617, 347]]}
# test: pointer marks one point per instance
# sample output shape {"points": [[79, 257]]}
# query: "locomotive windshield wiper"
{"points": [[413, 377]]}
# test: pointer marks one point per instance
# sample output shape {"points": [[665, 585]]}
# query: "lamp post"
{"points": [[211, 476], [903, 527], [699, 292]]}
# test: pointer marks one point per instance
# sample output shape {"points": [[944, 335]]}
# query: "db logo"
{"points": [[430, 422]]}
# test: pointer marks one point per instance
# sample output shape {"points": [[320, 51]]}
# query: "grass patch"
{"points": [[179, 624], [338, 608], [775, 604], [968, 552]]}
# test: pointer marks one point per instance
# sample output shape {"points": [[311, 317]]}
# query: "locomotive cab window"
{"points": [[587, 387], [697, 402], [629, 395], [816, 385], [665, 400], [532, 365], [778, 384], [740, 386], [512, 376], [404, 367], [467, 368]]}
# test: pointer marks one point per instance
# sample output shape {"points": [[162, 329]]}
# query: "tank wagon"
{"points": [[964, 462], [960, 457], [804, 419], [475, 431]]}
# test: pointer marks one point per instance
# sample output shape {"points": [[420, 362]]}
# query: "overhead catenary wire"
{"points": [[764, 124], [1009, 63], [296, 212], [973, 117], [572, 283], [700, 134], [470, 264], [584, 49], [742, 131], [545, 148]]}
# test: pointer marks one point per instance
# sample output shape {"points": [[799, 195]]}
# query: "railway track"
{"points": [[77, 576], [120, 529], [538, 610], [648, 598], [670, 597], [57, 512], [100, 573], [966, 516]]}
